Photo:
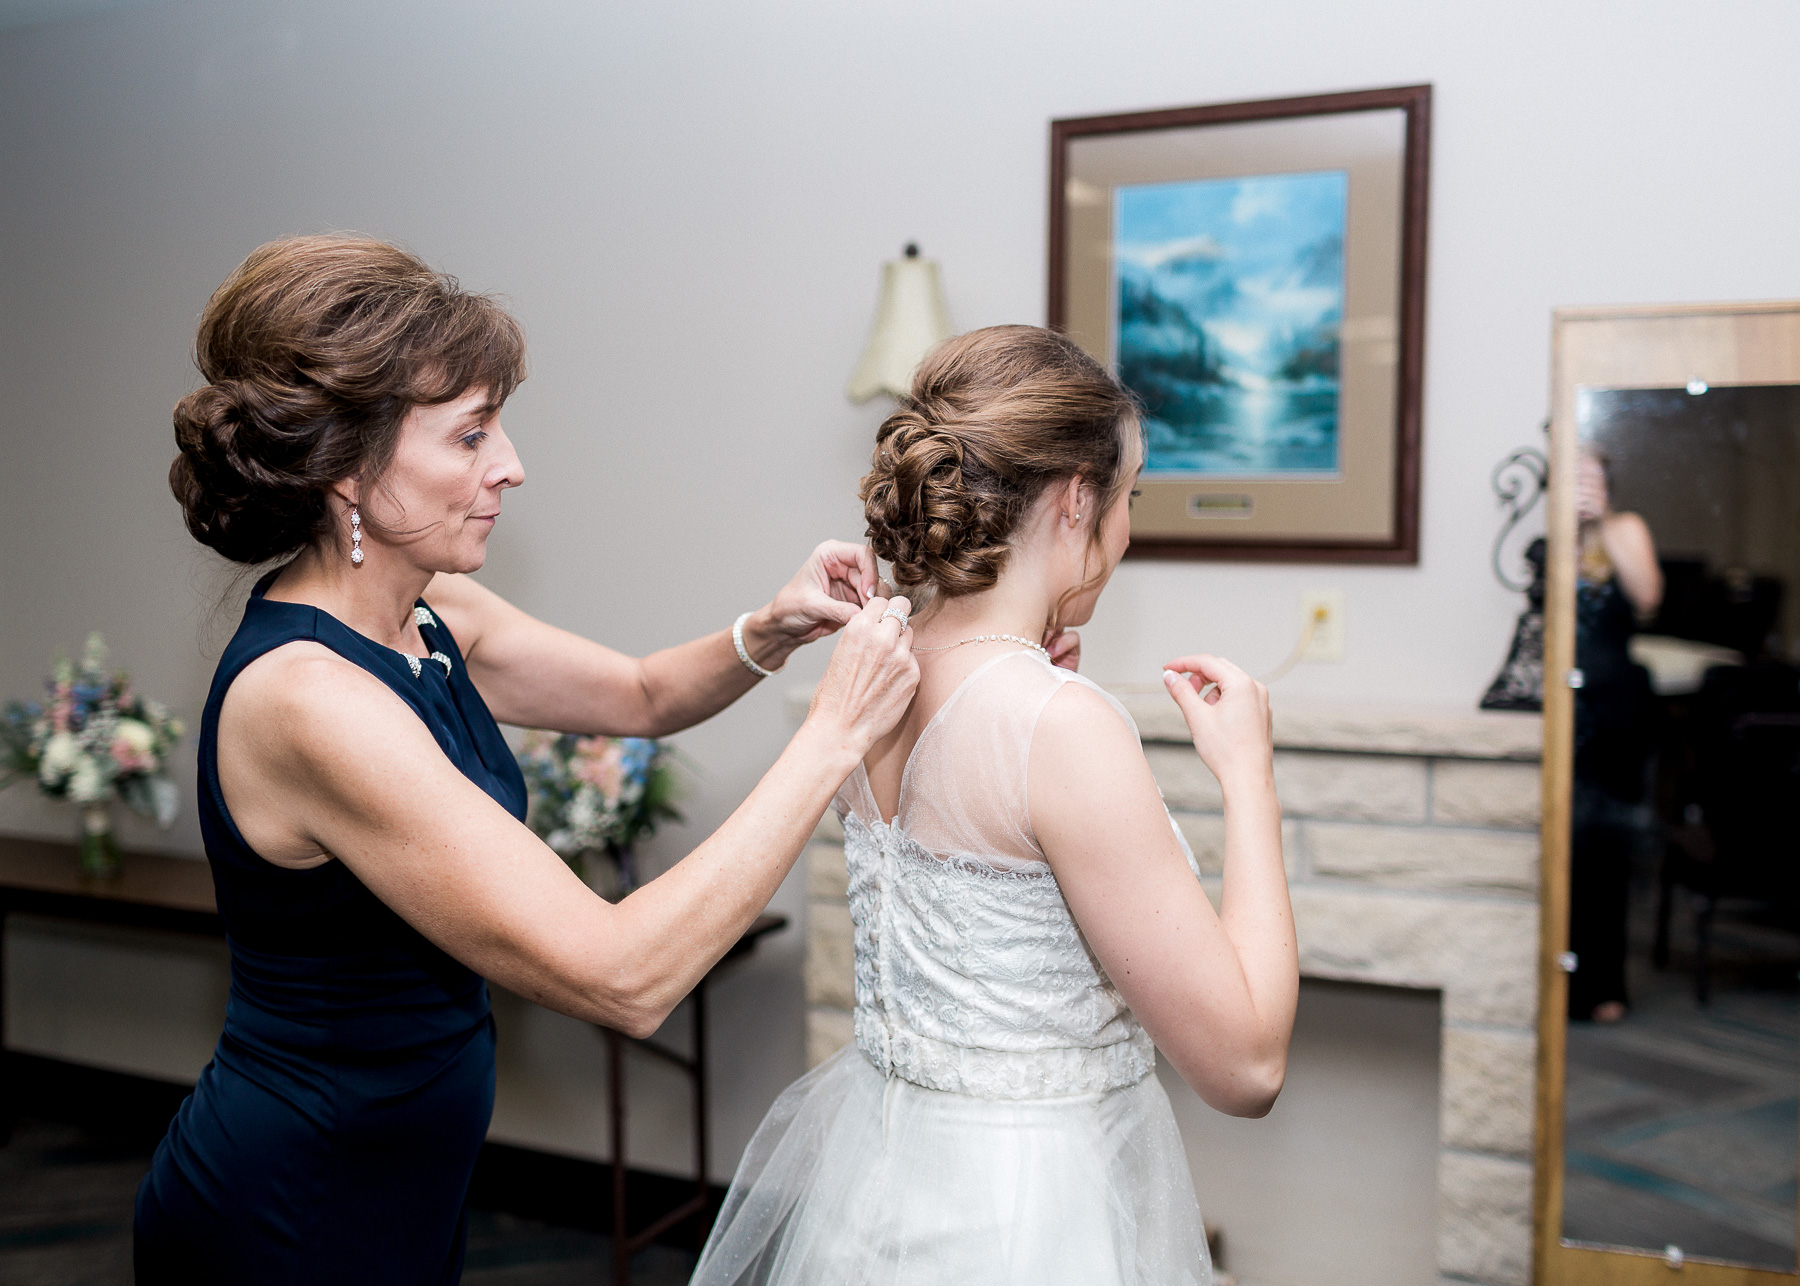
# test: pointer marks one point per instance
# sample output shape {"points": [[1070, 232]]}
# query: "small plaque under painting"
{"points": [[1207, 504]]}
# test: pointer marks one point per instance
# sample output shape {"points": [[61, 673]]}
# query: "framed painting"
{"points": [[1255, 273]]}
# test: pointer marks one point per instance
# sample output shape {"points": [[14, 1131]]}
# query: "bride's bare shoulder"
{"points": [[1079, 718], [1086, 764]]}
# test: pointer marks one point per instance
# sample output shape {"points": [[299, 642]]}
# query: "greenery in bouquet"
{"points": [[597, 794], [94, 740]]}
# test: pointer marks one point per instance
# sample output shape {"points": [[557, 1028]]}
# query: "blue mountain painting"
{"points": [[1229, 297]]}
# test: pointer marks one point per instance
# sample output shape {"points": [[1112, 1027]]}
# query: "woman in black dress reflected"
{"points": [[1619, 583]]}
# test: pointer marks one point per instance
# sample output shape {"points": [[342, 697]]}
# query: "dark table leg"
{"points": [[9, 1099], [701, 1196], [621, 1248], [624, 1242]]}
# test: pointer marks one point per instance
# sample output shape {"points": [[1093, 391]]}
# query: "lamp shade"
{"points": [[910, 321]]}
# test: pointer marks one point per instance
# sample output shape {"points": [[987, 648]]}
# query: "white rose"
{"points": [[60, 753], [137, 735], [87, 785]]}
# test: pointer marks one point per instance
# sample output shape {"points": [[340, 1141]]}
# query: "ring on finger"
{"points": [[898, 613]]}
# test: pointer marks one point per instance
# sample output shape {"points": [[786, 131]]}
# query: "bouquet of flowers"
{"points": [[95, 740], [593, 795]]}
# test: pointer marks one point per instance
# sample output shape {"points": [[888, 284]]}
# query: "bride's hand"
{"points": [[871, 678], [1230, 723], [1064, 647]]}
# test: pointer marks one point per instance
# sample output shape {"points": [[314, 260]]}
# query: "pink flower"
{"points": [[134, 746], [601, 764], [127, 757]]}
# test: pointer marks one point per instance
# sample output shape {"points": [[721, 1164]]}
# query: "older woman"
{"points": [[363, 816]]}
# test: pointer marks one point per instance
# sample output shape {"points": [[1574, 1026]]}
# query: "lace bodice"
{"points": [[971, 974]]}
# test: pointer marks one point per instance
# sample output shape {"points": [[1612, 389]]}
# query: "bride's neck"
{"points": [[1017, 605]]}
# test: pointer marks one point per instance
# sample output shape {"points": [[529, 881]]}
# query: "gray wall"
{"points": [[687, 205], [1361, 1106]]}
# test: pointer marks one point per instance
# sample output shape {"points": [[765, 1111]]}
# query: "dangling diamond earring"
{"points": [[355, 536]]}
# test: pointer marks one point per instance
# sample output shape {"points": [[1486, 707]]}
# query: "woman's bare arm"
{"points": [[538, 676], [1633, 553], [1217, 991], [339, 767]]}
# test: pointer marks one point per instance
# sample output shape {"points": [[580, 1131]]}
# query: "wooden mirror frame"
{"points": [[1627, 347]]}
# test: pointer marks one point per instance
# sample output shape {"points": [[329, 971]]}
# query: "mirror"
{"points": [[1671, 1023]]}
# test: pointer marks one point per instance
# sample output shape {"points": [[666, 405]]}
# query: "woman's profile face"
{"points": [[440, 498]]}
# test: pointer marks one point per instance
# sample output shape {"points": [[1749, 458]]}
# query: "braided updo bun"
{"points": [[994, 418], [314, 349]]}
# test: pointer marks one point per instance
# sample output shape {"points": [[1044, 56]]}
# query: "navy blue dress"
{"points": [[331, 1139]]}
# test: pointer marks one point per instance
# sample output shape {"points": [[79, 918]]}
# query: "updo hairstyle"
{"points": [[314, 349], [995, 418]]}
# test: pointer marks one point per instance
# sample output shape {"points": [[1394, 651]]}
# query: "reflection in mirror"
{"points": [[1681, 1121]]}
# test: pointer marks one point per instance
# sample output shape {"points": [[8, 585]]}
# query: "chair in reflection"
{"points": [[1733, 609], [1735, 842]]}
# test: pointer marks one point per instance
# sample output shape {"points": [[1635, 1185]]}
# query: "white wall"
{"points": [[687, 204]]}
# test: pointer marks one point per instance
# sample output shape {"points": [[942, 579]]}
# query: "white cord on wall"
{"points": [[1314, 619]]}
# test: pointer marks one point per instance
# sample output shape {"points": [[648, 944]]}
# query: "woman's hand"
{"points": [[871, 678], [1064, 647], [825, 595], [1230, 723], [1591, 500]]}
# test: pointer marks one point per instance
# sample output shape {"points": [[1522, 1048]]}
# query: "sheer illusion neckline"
{"points": [[956, 693]]}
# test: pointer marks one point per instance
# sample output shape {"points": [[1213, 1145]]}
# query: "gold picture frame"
{"points": [[1338, 479]]}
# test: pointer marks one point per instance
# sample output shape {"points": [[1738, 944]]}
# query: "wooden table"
{"points": [[174, 893], [151, 892]]}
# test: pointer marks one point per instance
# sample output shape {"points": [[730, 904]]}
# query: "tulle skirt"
{"points": [[854, 1178]]}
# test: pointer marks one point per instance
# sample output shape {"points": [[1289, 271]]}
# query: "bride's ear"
{"points": [[1075, 503]]}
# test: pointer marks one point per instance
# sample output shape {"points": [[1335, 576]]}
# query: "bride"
{"points": [[1028, 919]]}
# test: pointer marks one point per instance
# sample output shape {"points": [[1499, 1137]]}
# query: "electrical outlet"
{"points": [[1325, 609]]}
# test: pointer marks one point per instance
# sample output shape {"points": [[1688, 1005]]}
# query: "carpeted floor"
{"points": [[65, 1220], [1682, 1121]]}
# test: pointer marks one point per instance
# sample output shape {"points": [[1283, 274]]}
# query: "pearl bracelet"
{"points": [[737, 641]]}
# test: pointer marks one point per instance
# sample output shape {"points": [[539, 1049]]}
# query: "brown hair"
{"points": [[995, 417], [314, 349]]}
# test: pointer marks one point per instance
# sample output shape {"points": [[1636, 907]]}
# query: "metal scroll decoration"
{"points": [[1519, 483]]}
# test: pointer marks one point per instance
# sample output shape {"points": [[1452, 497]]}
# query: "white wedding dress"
{"points": [[998, 1120]]}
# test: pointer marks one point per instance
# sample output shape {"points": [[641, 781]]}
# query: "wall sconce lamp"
{"points": [[910, 321]]}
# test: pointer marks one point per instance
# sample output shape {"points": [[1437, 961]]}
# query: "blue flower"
{"points": [[639, 754]]}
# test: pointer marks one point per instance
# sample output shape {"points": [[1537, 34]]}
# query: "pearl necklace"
{"points": [[990, 638]]}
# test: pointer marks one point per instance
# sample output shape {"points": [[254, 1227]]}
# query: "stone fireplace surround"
{"points": [[1411, 843]]}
